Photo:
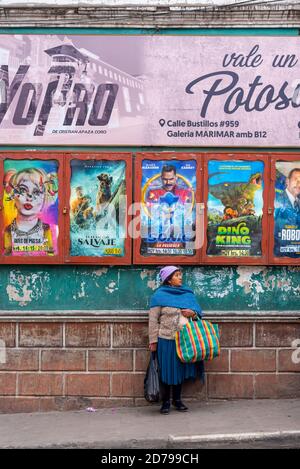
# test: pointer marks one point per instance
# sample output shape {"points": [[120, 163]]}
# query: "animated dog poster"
{"points": [[97, 208], [235, 208], [168, 208], [30, 205]]}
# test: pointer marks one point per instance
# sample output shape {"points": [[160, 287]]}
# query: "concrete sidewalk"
{"points": [[213, 422]]}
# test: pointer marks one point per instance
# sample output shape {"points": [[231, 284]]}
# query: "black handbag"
{"points": [[151, 381]]}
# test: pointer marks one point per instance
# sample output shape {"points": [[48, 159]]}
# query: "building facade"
{"points": [[73, 323]]}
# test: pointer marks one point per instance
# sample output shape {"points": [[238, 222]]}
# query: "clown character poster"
{"points": [[98, 208], [287, 209], [235, 208], [168, 212], [30, 205]]}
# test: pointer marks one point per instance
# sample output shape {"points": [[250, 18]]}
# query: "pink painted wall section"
{"points": [[150, 90]]}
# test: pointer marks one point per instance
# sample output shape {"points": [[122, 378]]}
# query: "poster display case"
{"points": [[168, 190], [31, 200], [236, 202], [284, 245], [98, 198], [188, 208]]}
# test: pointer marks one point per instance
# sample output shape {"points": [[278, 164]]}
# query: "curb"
{"points": [[173, 442], [235, 437]]}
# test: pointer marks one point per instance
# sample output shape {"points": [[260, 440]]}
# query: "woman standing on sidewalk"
{"points": [[170, 308]]}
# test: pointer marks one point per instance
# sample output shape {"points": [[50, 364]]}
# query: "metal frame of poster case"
{"points": [[247, 260], [273, 259], [165, 156], [112, 260], [26, 155], [1, 209]]}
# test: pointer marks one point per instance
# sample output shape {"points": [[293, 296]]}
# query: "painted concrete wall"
{"points": [[89, 288], [53, 3], [157, 14]]}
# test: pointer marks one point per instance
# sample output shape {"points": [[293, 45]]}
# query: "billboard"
{"points": [[149, 90]]}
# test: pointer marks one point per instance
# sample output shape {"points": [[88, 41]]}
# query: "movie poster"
{"points": [[287, 209], [235, 208], [168, 213], [98, 208], [30, 207]]}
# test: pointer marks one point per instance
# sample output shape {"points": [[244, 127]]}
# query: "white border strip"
{"points": [[144, 312]]}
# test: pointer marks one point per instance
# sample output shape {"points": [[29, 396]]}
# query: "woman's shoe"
{"points": [[179, 405], [165, 408]]}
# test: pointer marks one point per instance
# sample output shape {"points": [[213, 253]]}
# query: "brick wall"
{"points": [[62, 364]]}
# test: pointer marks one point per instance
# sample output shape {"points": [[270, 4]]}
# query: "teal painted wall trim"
{"points": [[218, 288], [67, 149], [165, 32]]}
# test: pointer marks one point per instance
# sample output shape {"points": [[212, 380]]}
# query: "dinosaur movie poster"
{"points": [[97, 208], [30, 207], [235, 208], [168, 214], [287, 209]]}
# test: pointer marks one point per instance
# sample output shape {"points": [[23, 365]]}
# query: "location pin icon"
{"points": [[162, 122]]}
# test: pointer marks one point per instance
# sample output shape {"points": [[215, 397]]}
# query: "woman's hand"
{"points": [[153, 347], [188, 313]]}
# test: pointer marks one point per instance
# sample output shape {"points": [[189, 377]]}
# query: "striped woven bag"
{"points": [[198, 340]]}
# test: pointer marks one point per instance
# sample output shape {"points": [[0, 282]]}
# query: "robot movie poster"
{"points": [[30, 207], [168, 213], [287, 209], [97, 208], [235, 208]]}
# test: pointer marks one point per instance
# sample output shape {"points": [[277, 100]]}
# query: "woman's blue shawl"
{"points": [[176, 297]]}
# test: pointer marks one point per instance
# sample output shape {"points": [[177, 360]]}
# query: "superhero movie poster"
{"points": [[235, 208], [30, 207], [168, 212], [97, 208], [287, 209]]}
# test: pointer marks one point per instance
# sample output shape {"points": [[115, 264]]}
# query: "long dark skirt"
{"points": [[172, 370]]}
